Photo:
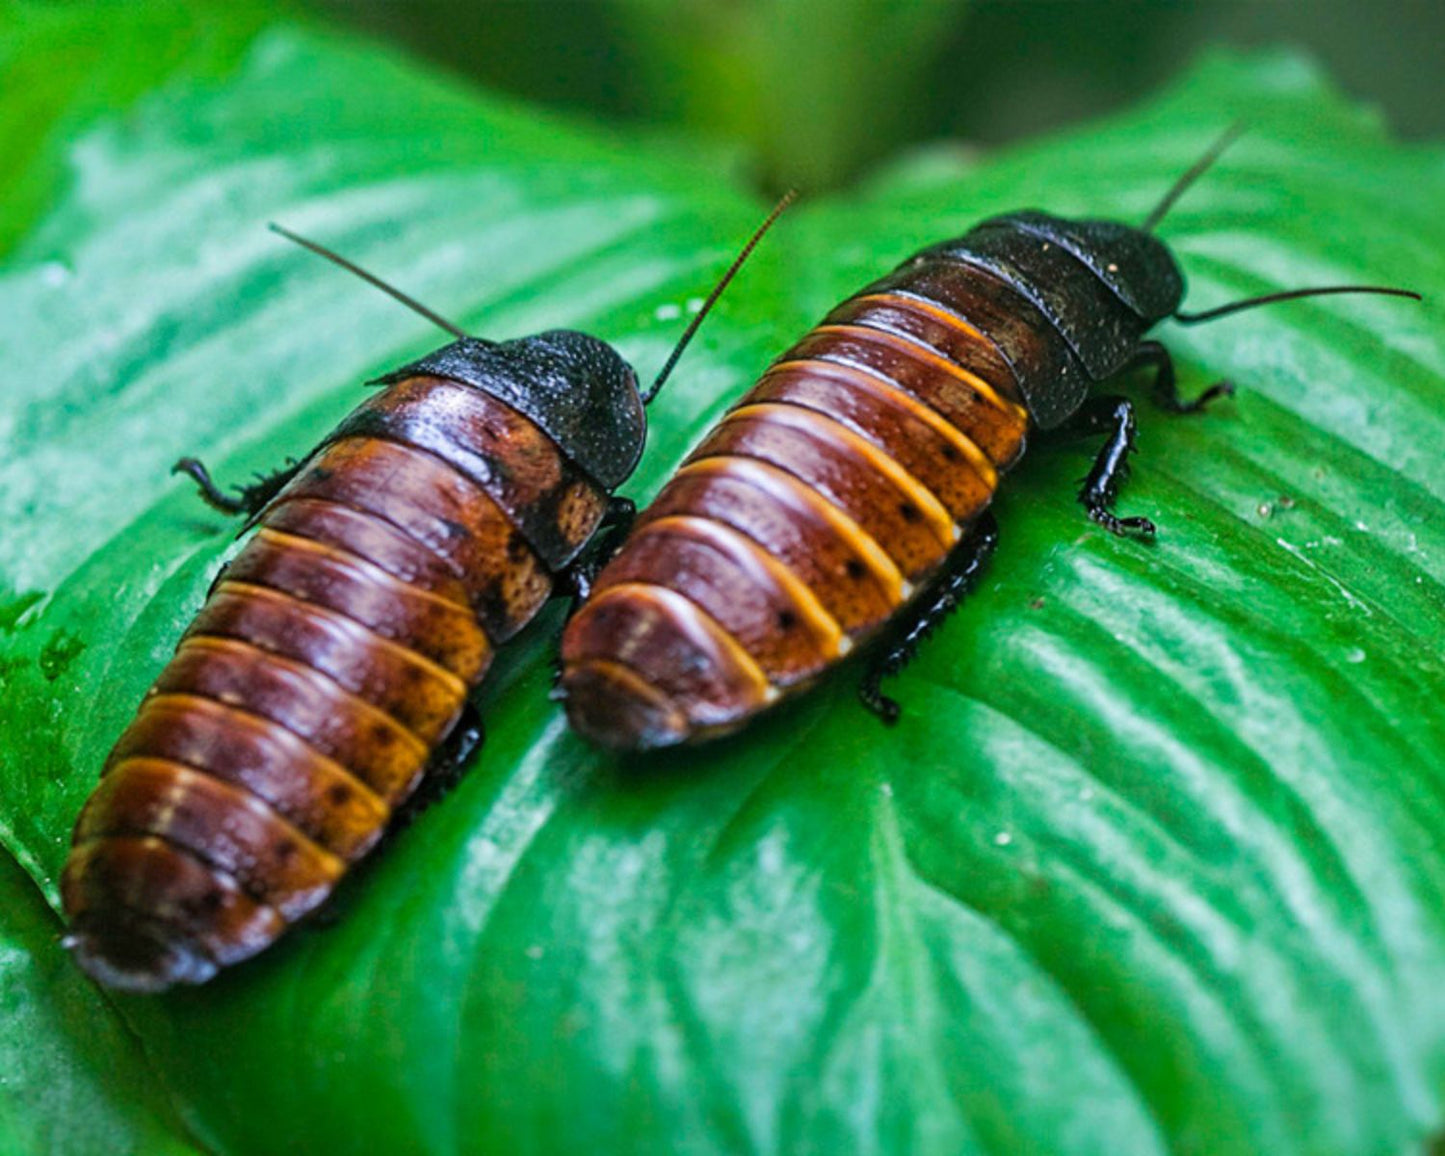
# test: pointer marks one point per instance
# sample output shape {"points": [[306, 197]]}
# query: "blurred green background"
{"points": [[816, 91]]}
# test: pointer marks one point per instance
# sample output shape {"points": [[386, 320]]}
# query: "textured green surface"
{"points": [[65, 63], [1150, 864], [71, 1077]]}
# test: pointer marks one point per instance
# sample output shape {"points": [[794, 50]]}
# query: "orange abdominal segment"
{"points": [[804, 521], [303, 705]]}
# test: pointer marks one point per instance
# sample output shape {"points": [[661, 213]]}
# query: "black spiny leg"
{"points": [[251, 500], [925, 613], [1115, 416], [445, 768], [1166, 390]]}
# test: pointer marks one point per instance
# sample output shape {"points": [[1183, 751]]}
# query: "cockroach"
{"points": [[329, 671], [844, 501]]}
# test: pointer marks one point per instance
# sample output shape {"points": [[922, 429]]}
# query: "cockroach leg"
{"points": [[449, 761], [925, 614], [446, 767], [1113, 415], [621, 513], [250, 500], [1166, 389]]}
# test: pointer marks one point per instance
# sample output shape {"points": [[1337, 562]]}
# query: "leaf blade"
{"points": [[1149, 861]]}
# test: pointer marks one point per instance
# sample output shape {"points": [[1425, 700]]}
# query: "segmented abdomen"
{"points": [[809, 516], [331, 656]]}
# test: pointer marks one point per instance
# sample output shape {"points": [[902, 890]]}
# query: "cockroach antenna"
{"points": [[844, 501], [1192, 174], [682, 342], [1290, 295], [370, 278]]}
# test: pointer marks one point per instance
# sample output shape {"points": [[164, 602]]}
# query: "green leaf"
{"points": [[1151, 862], [71, 1076], [64, 64]]}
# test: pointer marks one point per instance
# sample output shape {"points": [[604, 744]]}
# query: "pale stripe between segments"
{"points": [[923, 305], [901, 299], [83, 853], [893, 394], [189, 780], [929, 356], [368, 569], [93, 843], [378, 807], [369, 711], [772, 480], [751, 556], [284, 735], [678, 606], [632, 679], [832, 431], [366, 636]]}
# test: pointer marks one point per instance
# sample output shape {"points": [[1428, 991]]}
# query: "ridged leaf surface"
{"points": [[1152, 862]]}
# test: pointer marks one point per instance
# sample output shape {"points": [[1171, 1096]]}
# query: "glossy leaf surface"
{"points": [[74, 1079], [1152, 862]]}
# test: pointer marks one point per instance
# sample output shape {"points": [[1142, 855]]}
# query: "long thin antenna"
{"points": [[1192, 174], [370, 279], [682, 342], [1289, 295]]}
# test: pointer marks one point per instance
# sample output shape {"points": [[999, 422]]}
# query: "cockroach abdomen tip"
{"points": [[135, 956]]}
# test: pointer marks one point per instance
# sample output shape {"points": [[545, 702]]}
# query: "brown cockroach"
{"points": [[843, 503], [328, 673]]}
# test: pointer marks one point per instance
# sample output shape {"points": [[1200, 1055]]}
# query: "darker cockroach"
{"points": [[328, 673], [843, 501]]}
